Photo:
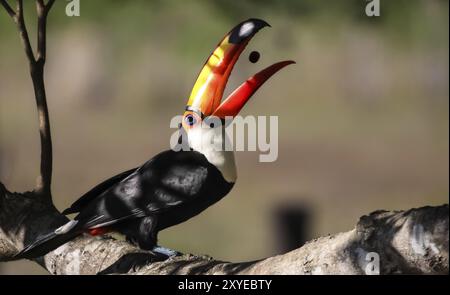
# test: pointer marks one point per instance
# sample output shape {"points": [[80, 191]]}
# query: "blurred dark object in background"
{"points": [[291, 225]]}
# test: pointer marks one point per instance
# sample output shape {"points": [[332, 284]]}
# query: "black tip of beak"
{"points": [[246, 29]]}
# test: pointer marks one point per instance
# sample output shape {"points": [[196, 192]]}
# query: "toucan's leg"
{"points": [[141, 232], [147, 233]]}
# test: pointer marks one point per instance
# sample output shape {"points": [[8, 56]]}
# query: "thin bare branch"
{"points": [[42, 30], [8, 8], [43, 184], [19, 19], [49, 5]]}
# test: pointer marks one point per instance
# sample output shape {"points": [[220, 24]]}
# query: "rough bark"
{"points": [[407, 242]]}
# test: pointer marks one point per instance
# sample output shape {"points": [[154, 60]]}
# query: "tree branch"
{"points": [[49, 4], [42, 10], [8, 8], [20, 21], [42, 32], [407, 242], [43, 183]]}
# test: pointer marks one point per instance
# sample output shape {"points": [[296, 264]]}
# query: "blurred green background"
{"points": [[363, 115]]}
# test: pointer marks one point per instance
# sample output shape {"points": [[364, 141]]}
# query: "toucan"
{"points": [[176, 184]]}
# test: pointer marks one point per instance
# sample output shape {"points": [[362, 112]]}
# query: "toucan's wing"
{"points": [[170, 180], [85, 199]]}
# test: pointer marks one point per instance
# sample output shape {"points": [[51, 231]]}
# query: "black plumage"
{"points": [[167, 190]]}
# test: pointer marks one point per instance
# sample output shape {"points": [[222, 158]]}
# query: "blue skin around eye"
{"points": [[190, 120]]}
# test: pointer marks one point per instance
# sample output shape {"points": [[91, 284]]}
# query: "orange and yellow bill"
{"points": [[206, 95]]}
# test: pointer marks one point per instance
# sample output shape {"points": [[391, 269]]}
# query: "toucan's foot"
{"points": [[165, 251]]}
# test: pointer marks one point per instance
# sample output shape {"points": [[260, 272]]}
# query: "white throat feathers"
{"points": [[209, 142]]}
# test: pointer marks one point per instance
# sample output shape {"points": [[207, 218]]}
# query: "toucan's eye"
{"points": [[190, 120]]}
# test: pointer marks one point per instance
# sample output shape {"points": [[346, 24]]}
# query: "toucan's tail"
{"points": [[50, 241]]}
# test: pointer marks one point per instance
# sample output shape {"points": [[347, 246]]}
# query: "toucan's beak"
{"points": [[208, 89]]}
